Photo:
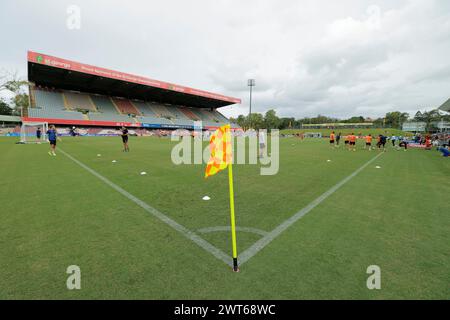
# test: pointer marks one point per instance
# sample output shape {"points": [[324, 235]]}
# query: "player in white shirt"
{"points": [[262, 143]]}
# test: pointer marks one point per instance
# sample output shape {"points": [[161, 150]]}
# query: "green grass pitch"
{"points": [[54, 213]]}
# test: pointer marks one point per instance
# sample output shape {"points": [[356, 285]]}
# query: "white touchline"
{"points": [[264, 241], [219, 254]]}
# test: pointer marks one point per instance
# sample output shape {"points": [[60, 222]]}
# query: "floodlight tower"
{"points": [[251, 83]]}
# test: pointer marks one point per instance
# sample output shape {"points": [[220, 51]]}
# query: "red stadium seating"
{"points": [[126, 107], [189, 114]]}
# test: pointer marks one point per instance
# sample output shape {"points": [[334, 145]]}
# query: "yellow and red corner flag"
{"points": [[220, 158], [220, 149]]}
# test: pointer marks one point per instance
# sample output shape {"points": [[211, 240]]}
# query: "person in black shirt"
{"points": [[382, 142], [38, 133], [338, 138], [125, 139]]}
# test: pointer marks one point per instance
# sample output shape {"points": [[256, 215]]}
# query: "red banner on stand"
{"points": [[55, 62]]}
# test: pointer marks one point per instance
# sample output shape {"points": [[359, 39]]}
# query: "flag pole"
{"points": [[233, 220]]}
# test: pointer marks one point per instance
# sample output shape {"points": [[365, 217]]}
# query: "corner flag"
{"points": [[220, 158], [220, 148]]}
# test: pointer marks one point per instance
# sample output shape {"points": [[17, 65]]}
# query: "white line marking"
{"points": [[261, 243], [228, 228], [219, 254]]}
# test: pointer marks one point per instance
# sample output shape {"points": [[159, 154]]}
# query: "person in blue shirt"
{"points": [[445, 151], [52, 137], [382, 142]]}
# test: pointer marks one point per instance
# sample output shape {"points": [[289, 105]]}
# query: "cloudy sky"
{"points": [[309, 57]]}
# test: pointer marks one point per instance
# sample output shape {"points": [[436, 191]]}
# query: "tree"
{"points": [[395, 119], [378, 123], [320, 119], [271, 121], [286, 123], [418, 116], [4, 108], [20, 101], [256, 121], [404, 117], [431, 116], [242, 121], [446, 117], [359, 119], [10, 81]]}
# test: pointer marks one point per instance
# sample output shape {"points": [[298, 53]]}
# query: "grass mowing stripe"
{"points": [[264, 241], [219, 254]]}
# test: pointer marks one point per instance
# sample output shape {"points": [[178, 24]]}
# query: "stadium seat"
{"points": [[220, 116], [104, 104], [50, 104], [106, 110], [200, 115], [161, 110], [49, 100], [154, 120], [76, 101], [52, 114], [175, 110], [145, 109], [190, 114], [125, 106]]}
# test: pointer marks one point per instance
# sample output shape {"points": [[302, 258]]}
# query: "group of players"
{"points": [[52, 136], [350, 141]]}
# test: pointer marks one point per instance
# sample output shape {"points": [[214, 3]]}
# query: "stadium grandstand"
{"points": [[445, 106], [9, 125], [64, 92]]}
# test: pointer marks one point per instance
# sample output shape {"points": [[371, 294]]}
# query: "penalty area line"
{"points": [[264, 241], [219, 254]]}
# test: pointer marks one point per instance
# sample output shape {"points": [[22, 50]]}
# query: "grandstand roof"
{"points": [[445, 106], [59, 73]]}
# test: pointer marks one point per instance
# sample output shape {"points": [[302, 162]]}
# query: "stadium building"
{"points": [[68, 93], [445, 106]]}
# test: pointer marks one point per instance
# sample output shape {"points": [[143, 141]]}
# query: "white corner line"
{"points": [[219, 254], [228, 229], [264, 241]]}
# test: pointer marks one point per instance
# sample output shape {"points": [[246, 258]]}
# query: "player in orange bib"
{"points": [[368, 139], [332, 139], [352, 142]]}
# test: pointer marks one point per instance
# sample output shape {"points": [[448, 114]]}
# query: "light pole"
{"points": [[251, 84]]}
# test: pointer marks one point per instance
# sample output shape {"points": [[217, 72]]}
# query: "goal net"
{"points": [[33, 132]]}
